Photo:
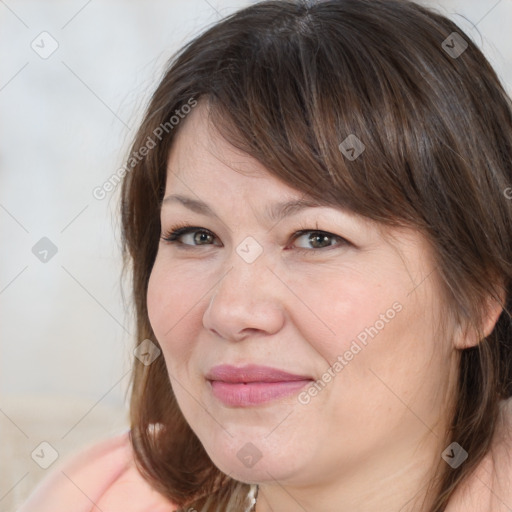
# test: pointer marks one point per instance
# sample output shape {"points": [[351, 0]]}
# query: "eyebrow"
{"points": [[275, 213]]}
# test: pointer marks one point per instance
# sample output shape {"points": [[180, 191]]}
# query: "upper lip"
{"points": [[252, 373]]}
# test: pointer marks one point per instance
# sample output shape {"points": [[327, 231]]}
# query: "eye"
{"points": [[186, 236], [317, 239], [199, 236]]}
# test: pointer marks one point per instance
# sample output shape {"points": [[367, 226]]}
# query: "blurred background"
{"points": [[75, 77]]}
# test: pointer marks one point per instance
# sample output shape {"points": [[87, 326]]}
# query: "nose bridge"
{"points": [[246, 296], [247, 276]]}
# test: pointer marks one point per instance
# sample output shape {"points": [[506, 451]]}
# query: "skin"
{"points": [[369, 440]]}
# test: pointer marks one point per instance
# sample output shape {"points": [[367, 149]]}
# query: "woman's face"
{"points": [[345, 308]]}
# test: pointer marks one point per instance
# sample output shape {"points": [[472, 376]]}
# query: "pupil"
{"points": [[202, 236], [319, 238]]}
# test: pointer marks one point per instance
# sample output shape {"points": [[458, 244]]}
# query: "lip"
{"points": [[252, 373], [253, 384]]}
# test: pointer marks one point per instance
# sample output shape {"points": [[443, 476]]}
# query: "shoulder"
{"points": [[102, 476], [489, 488]]}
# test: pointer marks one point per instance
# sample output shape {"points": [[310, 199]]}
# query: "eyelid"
{"points": [[171, 237], [341, 241]]}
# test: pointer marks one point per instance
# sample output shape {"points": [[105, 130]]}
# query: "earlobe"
{"points": [[464, 338], [467, 338]]}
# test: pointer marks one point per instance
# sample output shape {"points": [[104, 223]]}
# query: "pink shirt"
{"points": [[101, 477]]}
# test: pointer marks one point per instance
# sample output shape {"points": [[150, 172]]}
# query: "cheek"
{"points": [[365, 317], [158, 298], [173, 303], [336, 306]]}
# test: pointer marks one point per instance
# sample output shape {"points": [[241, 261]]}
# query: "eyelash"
{"points": [[174, 233]]}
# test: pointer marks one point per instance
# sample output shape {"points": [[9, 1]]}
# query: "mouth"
{"points": [[253, 384]]}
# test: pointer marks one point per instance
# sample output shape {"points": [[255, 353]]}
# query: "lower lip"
{"points": [[254, 393]]}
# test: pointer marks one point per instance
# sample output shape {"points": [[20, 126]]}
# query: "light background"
{"points": [[66, 122]]}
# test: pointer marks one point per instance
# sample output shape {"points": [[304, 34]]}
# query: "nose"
{"points": [[247, 300]]}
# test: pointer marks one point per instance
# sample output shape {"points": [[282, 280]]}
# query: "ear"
{"points": [[466, 338]]}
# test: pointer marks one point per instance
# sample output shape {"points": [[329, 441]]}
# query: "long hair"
{"points": [[288, 83]]}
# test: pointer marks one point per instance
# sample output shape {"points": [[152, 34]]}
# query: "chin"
{"points": [[250, 462]]}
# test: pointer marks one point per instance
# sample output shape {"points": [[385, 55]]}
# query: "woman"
{"points": [[317, 210]]}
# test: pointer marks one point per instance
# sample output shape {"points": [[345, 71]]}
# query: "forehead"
{"points": [[200, 156], [203, 167], [207, 169]]}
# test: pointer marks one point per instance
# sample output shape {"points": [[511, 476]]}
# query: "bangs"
{"points": [[329, 116]]}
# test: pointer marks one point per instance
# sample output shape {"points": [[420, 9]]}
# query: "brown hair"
{"points": [[286, 82]]}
